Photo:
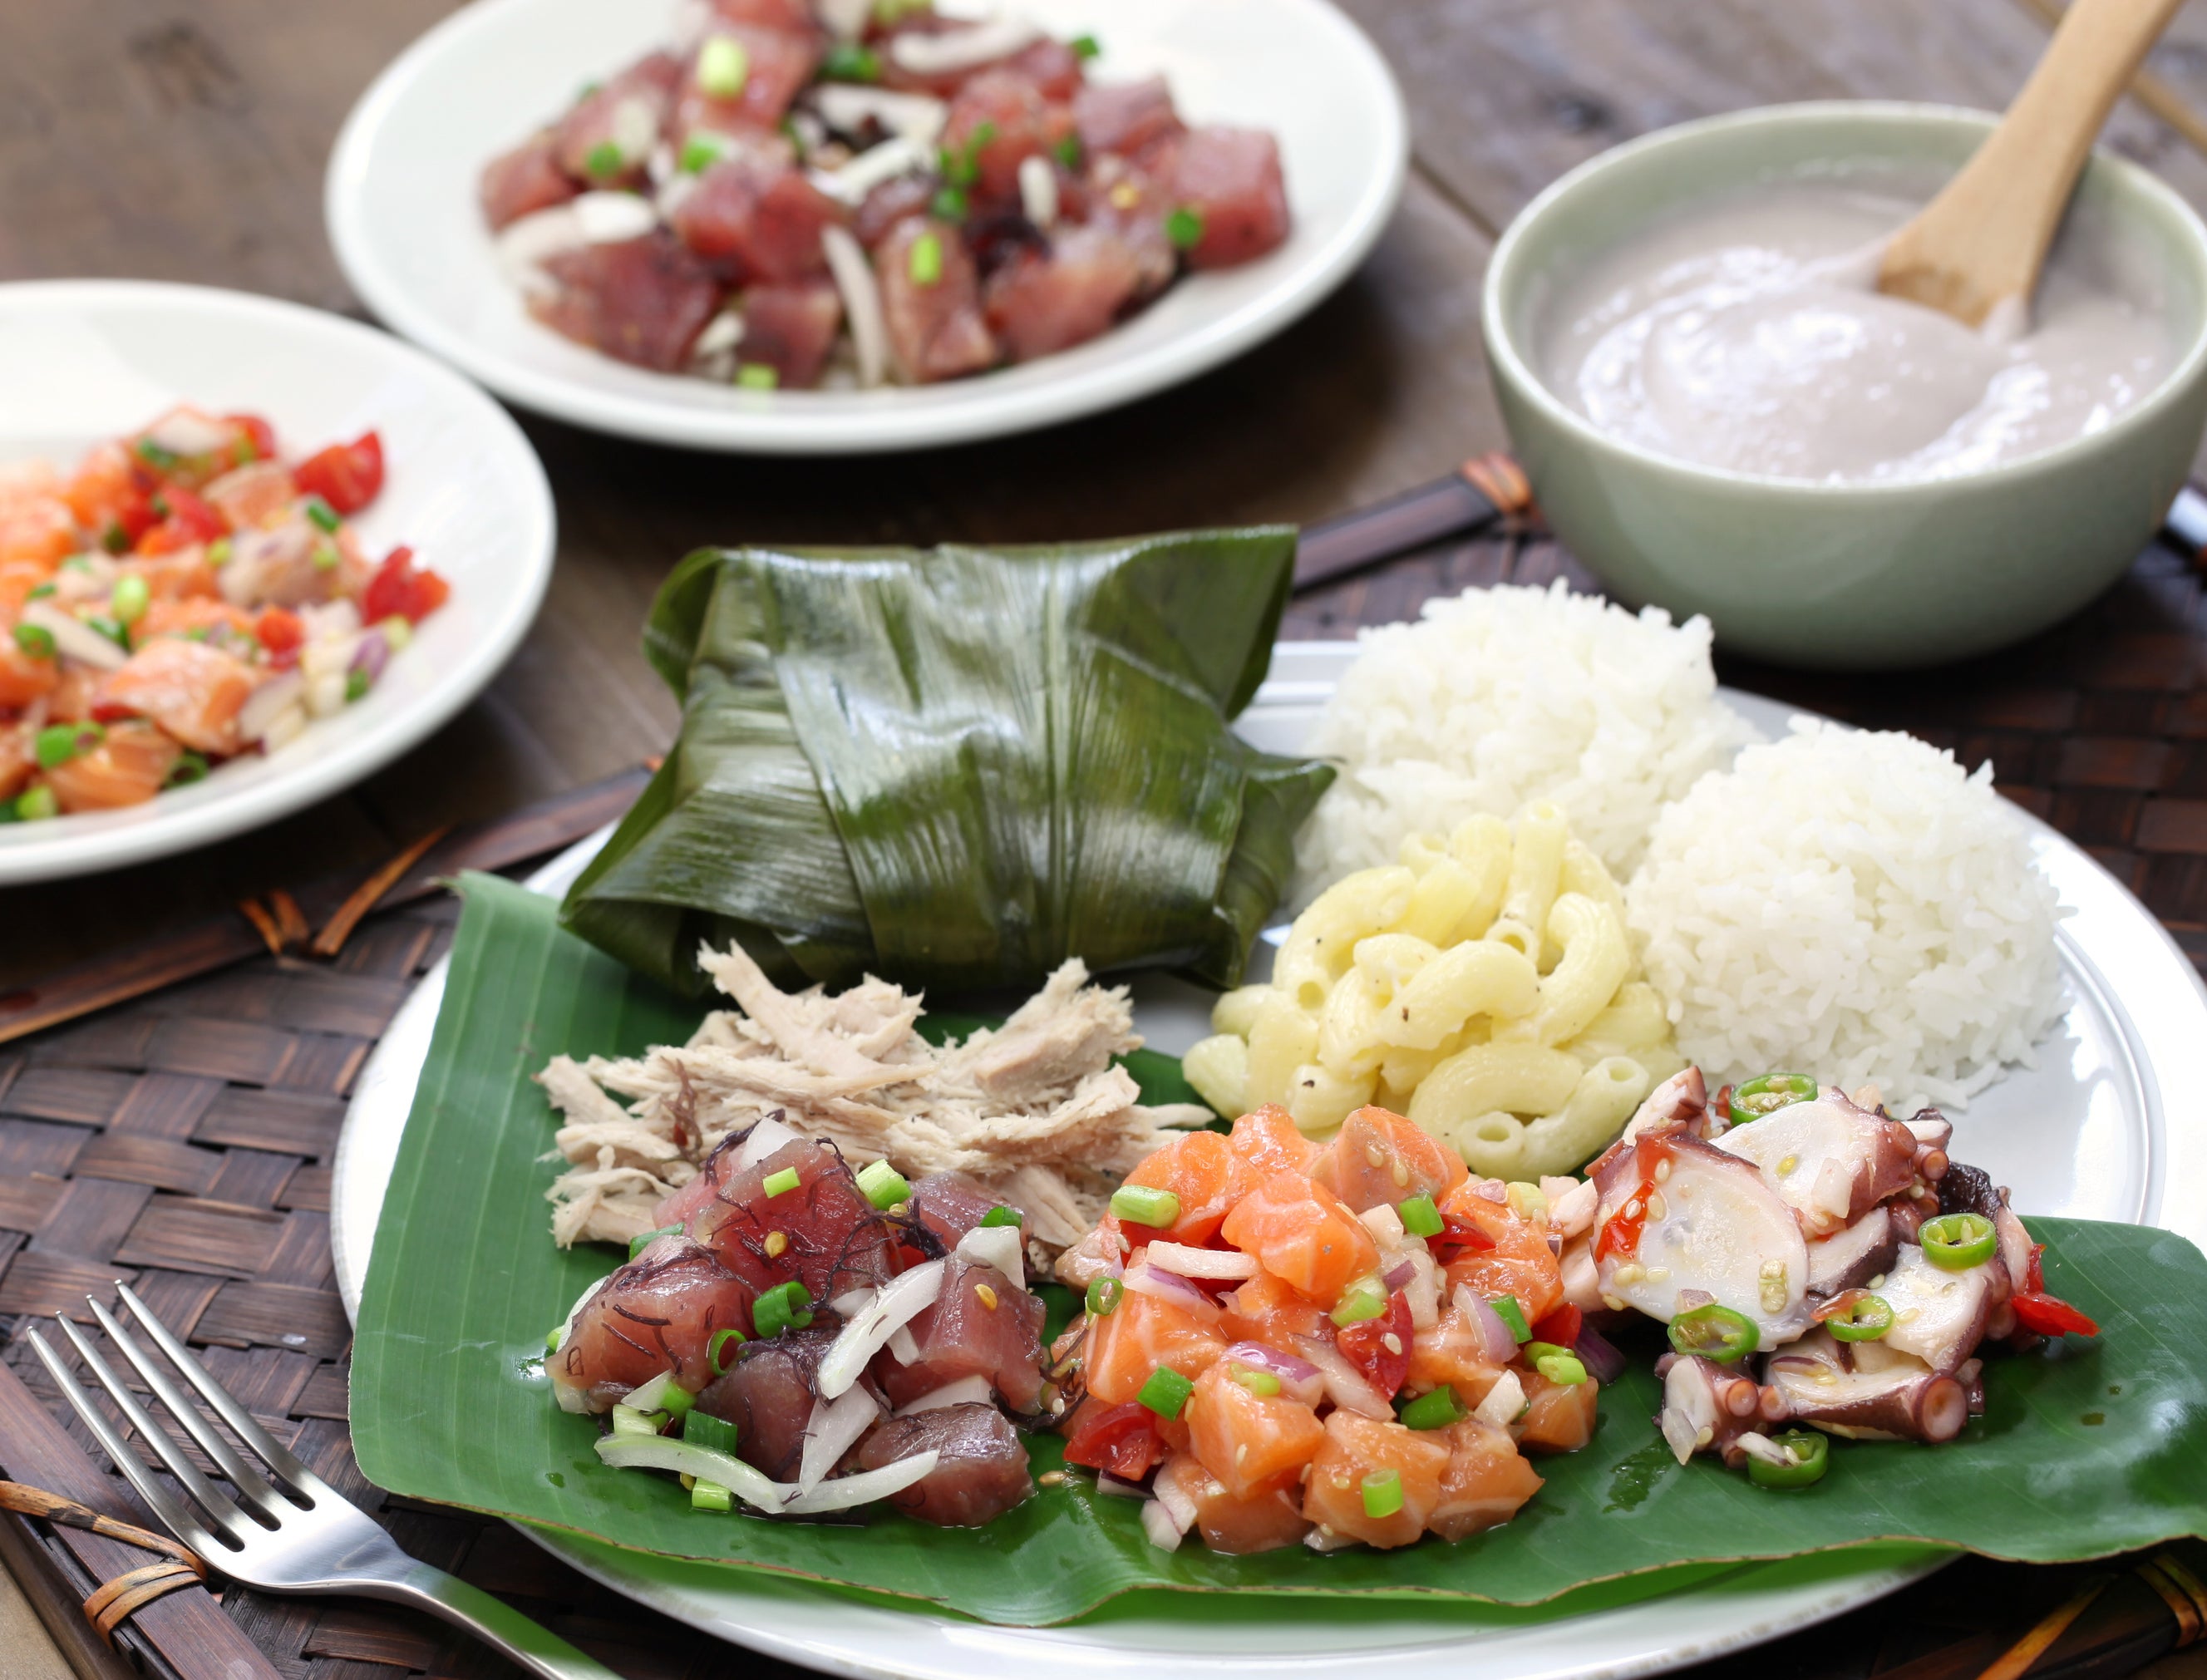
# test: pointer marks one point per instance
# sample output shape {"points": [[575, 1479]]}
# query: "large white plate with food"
{"points": [[86, 361], [2104, 1126], [403, 216]]}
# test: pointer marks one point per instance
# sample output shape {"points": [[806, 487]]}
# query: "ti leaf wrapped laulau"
{"points": [[956, 767]]}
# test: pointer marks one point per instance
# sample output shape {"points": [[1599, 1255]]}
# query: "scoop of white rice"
{"points": [[1500, 696], [1852, 906]]}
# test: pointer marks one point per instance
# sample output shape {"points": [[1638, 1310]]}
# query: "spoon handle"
{"points": [[1978, 246]]}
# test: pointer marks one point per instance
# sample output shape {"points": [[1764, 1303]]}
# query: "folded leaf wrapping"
{"points": [[957, 767]]}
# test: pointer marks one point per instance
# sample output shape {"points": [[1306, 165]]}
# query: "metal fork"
{"points": [[293, 1533]]}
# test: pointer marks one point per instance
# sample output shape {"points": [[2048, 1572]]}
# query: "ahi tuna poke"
{"points": [[1275, 1338], [184, 595], [797, 193]]}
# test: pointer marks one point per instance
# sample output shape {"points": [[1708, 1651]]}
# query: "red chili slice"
{"points": [[2049, 1315]]}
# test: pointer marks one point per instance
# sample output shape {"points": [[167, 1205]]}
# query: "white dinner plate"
{"points": [[84, 361], [2110, 1125], [401, 205]]}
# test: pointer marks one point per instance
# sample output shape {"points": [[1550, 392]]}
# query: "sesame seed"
{"points": [[986, 1294], [1392, 1343], [776, 1242], [1656, 1209], [1051, 1477], [1663, 1171]]}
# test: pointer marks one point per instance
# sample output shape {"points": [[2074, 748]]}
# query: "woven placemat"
{"points": [[182, 1141]]}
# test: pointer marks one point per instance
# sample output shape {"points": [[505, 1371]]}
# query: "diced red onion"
{"points": [[1600, 1356], [1503, 1401], [1497, 1344], [1168, 1286], [1344, 1385], [1400, 1273], [1184, 1260], [370, 655], [1119, 1486], [1158, 1524], [1299, 1379], [1170, 1493]]}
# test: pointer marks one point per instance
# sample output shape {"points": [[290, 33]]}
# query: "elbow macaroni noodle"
{"points": [[1484, 986]]}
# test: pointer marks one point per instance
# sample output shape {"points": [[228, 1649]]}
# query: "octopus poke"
{"points": [[800, 192]]}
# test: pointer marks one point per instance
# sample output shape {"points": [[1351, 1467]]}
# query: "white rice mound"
{"points": [[1499, 696], [1853, 906]]}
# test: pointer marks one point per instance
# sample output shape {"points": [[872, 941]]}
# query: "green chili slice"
{"points": [[1715, 1333], [1957, 1241], [1770, 1093], [1812, 1456], [1860, 1317]]}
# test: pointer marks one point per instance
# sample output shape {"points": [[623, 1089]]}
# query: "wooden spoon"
{"points": [[1978, 246]]}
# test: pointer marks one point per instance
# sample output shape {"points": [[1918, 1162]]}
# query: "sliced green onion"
{"points": [[1767, 1094], [398, 631], [115, 540], [552, 1339], [782, 1183], [153, 455], [757, 375], [1103, 1295], [1001, 1216], [321, 513], [722, 1340], [1184, 227], [37, 805], [218, 551], [1166, 1391], [1367, 1298], [883, 1185], [950, 203], [603, 160], [1084, 47], [925, 263], [59, 742], [1534, 1352], [117, 633], [723, 67], [710, 1496], [1262, 1384], [1812, 1454], [1068, 152], [40, 591], [1957, 1241], [191, 767], [644, 1239], [1563, 1369], [35, 640], [326, 556], [1383, 1493], [1139, 1204], [701, 150], [357, 684], [129, 599], [846, 61], [1420, 1218], [627, 1420], [1506, 1309], [662, 1394], [702, 1429], [1436, 1410], [781, 1309], [1715, 1333], [1864, 1318]]}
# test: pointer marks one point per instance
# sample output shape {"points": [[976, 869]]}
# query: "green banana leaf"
{"points": [[956, 767], [2084, 1450]]}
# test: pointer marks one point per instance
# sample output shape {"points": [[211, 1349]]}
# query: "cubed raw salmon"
{"points": [[1519, 1264], [1558, 1417], [1127, 1345], [1251, 1444], [1485, 1482], [1202, 1170], [1379, 1159], [1270, 1142], [191, 689], [1303, 1236], [1265, 1310], [1356, 1448], [129, 768]]}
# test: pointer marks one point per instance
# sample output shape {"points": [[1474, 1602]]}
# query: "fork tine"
{"points": [[247, 1481], [279, 1456], [162, 1503], [211, 1499]]}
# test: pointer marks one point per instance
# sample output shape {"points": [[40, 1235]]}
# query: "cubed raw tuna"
{"points": [[889, 203], [791, 326], [1018, 123], [795, 16], [1230, 178], [931, 301], [525, 179], [763, 217], [642, 300], [775, 63], [1128, 200], [1051, 65], [980, 1325], [952, 1204], [981, 1472], [823, 1232], [607, 138], [1039, 302], [768, 1391], [658, 1313], [1127, 117]]}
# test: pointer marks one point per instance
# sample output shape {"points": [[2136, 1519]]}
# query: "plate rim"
{"points": [[67, 853], [1787, 1610], [740, 431]]}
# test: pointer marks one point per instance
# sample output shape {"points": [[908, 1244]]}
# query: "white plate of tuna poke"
{"points": [[248, 554], [822, 226]]}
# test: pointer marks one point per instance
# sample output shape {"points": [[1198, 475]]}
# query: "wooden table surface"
{"points": [[145, 138]]}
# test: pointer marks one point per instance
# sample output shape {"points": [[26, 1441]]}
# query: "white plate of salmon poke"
{"points": [[248, 553], [822, 226], [1482, 1194]]}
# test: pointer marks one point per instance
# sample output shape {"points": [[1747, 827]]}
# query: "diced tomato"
{"points": [[1561, 1326], [346, 476], [400, 588], [1121, 1439], [187, 521], [280, 631], [2049, 1315], [1366, 1346], [256, 431]]}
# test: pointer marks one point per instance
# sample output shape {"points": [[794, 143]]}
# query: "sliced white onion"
{"points": [[1384, 1224], [1038, 191], [900, 1300], [1497, 1342], [866, 1488], [661, 1452], [834, 1430], [608, 219], [570, 1398], [917, 116], [1174, 1497], [1158, 1524], [182, 431], [846, 18], [851, 1303], [1169, 1286], [73, 640], [265, 704], [651, 1396], [524, 243], [673, 193], [1757, 1445], [1344, 1385], [962, 48], [892, 157], [766, 1137], [692, 18], [635, 128], [902, 1348], [854, 272], [963, 1392], [1184, 1261], [1503, 1401], [997, 1246]]}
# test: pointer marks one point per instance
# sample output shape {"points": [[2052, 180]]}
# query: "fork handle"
{"points": [[496, 1623]]}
